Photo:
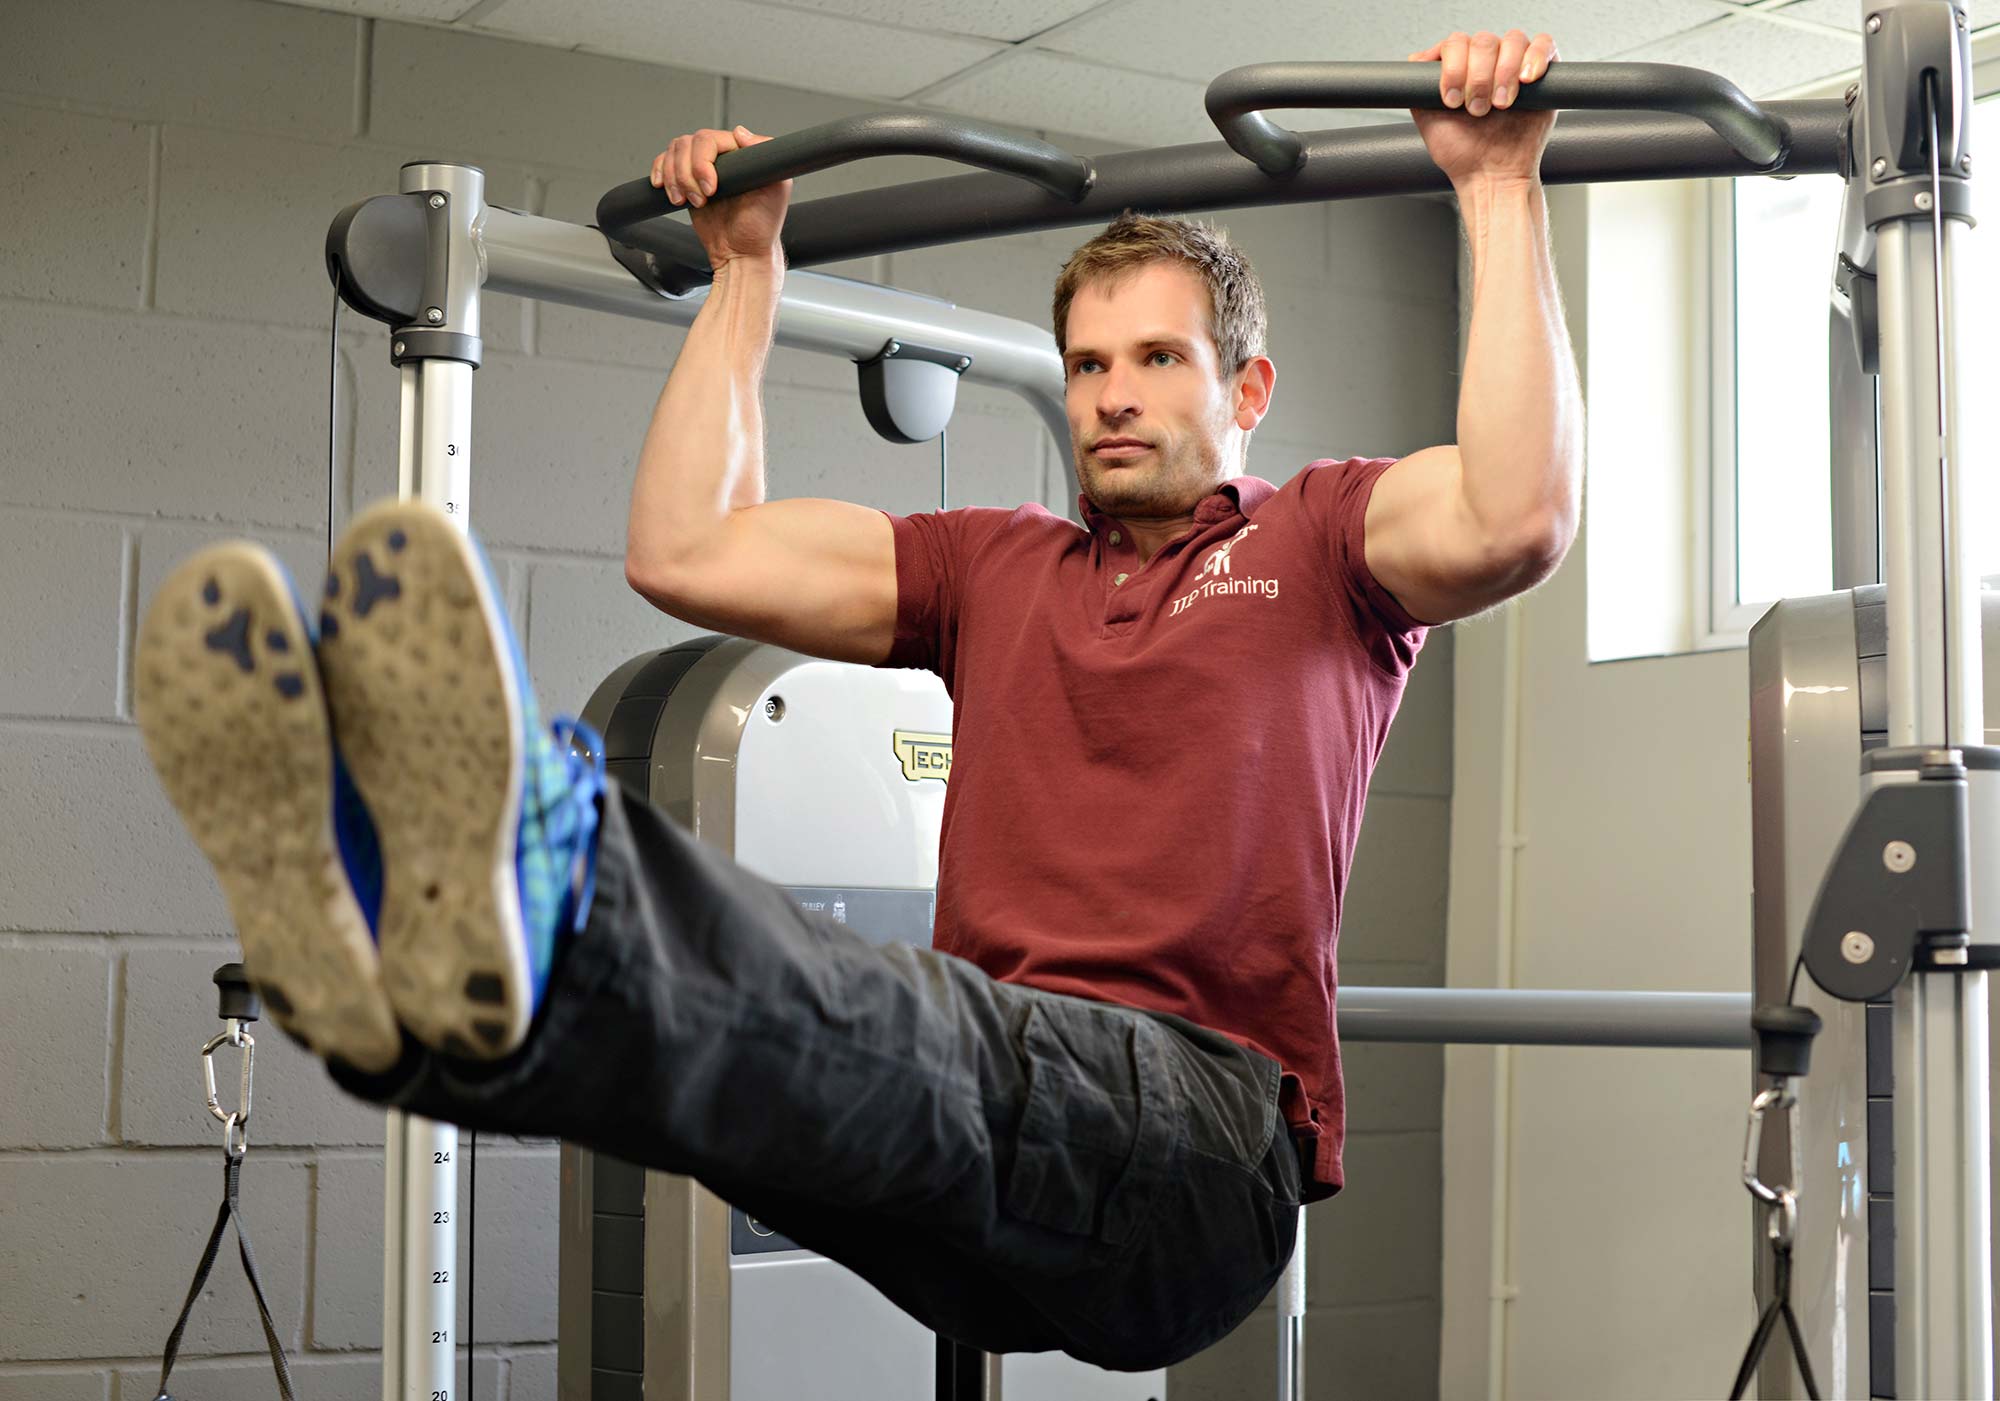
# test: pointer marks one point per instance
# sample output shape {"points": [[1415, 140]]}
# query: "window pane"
{"points": [[1784, 263], [1979, 356]]}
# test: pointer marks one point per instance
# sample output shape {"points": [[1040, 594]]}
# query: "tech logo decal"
{"points": [[923, 756], [1218, 576]]}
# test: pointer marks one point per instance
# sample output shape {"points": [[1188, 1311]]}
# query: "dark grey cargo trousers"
{"points": [[1114, 1183]]}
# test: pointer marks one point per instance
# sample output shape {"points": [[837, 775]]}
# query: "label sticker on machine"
{"points": [[880, 917]]}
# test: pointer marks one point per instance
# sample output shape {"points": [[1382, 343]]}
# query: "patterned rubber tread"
{"points": [[425, 703], [230, 708]]}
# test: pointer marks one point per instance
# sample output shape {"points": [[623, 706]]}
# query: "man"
{"points": [[1086, 1119]]}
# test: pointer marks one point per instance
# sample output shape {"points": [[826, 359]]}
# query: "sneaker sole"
{"points": [[231, 710], [427, 710]]}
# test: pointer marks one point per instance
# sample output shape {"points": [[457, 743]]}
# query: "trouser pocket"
{"points": [[1096, 1130]]}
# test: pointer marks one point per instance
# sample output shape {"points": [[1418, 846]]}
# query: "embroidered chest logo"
{"points": [[1218, 576]]}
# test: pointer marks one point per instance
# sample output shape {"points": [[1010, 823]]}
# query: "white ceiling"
{"points": [[1132, 71]]}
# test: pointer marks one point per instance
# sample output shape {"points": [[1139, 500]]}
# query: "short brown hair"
{"points": [[1132, 241]]}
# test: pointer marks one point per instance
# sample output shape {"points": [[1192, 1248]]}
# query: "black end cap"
{"points": [[1784, 1039], [235, 997]]}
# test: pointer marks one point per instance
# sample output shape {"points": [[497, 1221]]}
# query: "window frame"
{"points": [[1722, 620]]}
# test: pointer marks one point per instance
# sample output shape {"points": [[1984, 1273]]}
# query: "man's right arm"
{"points": [[702, 543]]}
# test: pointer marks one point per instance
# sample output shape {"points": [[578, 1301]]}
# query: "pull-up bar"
{"points": [[1236, 98], [1689, 125]]}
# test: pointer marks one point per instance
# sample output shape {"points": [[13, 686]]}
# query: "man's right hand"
{"points": [[745, 226]]}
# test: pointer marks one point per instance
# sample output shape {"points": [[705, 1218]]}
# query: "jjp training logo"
{"points": [[1217, 578]]}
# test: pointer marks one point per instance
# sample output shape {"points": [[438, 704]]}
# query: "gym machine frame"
{"points": [[418, 260]]}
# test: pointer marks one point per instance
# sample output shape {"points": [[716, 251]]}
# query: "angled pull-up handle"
{"points": [[626, 212], [1237, 99]]}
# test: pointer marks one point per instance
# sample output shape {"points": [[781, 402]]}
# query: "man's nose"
{"points": [[1118, 393]]}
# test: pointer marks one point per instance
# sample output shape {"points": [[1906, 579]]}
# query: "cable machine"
{"points": [[419, 259]]}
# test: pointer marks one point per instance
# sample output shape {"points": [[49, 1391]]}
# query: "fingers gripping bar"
{"points": [[626, 208], [1237, 98]]}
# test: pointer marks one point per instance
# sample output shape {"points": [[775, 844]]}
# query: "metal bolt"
{"points": [[437, 201], [1874, 24], [964, 362], [397, 347], [774, 709], [1962, 20], [895, 348], [1899, 856], [1951, 958], [434, 315], [1857, 947], [1924, 200], [1965, 163], [1879, 169]]}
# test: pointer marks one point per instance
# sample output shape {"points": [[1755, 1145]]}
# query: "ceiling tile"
{"points": [[1759, 56], [1012, 20], [823, 52], [428, 11], [1197, 39], [1846, 14], [1031, 87], [1035, 89]]}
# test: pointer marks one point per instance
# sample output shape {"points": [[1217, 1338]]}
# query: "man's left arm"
{"points": [[1454, 530]]}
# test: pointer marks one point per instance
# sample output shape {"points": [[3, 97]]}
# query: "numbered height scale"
{"points": [[420, 1201]]}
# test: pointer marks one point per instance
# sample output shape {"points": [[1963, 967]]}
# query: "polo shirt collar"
{"points": [[1237, 496]]}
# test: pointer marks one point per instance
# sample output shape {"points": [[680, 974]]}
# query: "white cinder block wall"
{"points": [[169, 168]]}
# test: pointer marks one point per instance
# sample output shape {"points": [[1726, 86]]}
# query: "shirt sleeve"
{"points": [[1336, 496], [935, 552]]}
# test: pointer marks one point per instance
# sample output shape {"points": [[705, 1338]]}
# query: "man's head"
{"points": [[1161, 327]]}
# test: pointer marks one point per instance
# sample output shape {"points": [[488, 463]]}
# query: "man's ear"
{"points": [[1254, 384]]}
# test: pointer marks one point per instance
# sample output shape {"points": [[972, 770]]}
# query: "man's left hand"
{"points": [[1479, 78]]}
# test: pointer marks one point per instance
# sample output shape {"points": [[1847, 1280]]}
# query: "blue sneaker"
{"points": [[230, 706], [488, 821]]}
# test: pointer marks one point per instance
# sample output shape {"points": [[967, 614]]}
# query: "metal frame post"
{"points": [[1944, 1287], [434, 463], [1292, 1321]]}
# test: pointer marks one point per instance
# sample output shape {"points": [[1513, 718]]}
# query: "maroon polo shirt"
{"points": [[1159, 770]]}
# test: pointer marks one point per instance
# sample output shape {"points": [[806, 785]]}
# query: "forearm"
{"points": [[703, 456], [1520, 406]]}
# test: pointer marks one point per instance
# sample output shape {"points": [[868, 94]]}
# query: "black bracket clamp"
{"points": [[1897, 895], [1917, 55], [389, 257]]}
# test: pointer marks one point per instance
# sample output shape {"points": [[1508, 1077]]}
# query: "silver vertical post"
{"points": [[1292, 1321], [1944, 1289], [434, 463]]}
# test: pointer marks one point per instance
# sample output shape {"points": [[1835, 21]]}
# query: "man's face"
{"points": [[1152, 420]]}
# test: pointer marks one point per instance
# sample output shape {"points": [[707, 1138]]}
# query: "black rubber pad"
{"points": [[371, 588], [233, 637]]}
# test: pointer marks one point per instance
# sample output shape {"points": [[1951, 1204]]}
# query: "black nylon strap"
{"points": [[1779, 1307], [232, 1167]]}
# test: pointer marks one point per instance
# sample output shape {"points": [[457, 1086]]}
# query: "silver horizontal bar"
{"points": [[1545, 1017], [527, 255]]}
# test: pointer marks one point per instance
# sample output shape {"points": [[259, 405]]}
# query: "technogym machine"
{"points": [[417, 260], [1886, 679]]}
